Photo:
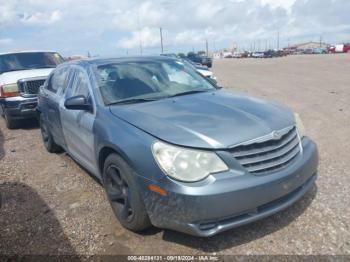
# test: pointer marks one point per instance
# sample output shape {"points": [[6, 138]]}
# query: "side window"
{"points": [[67, 81], [80, 84], [58, 80]]}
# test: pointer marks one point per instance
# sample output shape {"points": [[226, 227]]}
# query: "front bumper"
{"points": [[230, 200], [19, 107]]}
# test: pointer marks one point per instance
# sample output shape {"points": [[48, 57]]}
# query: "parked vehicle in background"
{"points": [[201, 59], [257, 55], [343, 48], [172, 149], [318, 51], [270, 54], [245, 54], [346, 48], [21, 75], [237, 55], [308, 51], [202, 69]]}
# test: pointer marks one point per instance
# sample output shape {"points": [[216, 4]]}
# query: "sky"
{"points": [[129, 27]]}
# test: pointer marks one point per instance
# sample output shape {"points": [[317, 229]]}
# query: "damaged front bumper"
{"points": [[221, 204]]}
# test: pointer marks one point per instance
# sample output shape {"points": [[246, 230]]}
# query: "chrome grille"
{"points": [[269, 155], [32, 86]]}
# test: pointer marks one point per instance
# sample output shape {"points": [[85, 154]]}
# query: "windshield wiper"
{"points": [[48, 66], [132, 101], [40, 66], [191, 92]]}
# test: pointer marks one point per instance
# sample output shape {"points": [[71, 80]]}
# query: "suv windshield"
{"points": [[148, 80], [30, 60]]}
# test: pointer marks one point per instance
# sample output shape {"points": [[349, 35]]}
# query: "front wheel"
{"points": [[10, 122], [123, 194]]}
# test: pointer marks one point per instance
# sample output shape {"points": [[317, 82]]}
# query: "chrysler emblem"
{"points": [[276, 135]]}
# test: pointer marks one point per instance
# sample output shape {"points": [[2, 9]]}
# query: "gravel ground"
{"points": [[50, 205]]}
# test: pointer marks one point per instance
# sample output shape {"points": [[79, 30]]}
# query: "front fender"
{"points": [[131, 143]]}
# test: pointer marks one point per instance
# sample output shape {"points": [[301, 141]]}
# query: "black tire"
{"points": [[10, 122], [48, 140], [123, 194]]}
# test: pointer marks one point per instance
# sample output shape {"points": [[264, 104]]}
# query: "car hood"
{"points": [[212, 120], [14, 76]]}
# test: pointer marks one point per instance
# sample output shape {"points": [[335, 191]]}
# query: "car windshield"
{"points": [[30, 60], [148, 80]]}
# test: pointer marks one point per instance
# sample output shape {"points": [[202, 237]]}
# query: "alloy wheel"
{"points": [[118, 193]]}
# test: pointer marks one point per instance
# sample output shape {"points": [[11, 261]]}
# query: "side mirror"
{"points": [[78, 103]]}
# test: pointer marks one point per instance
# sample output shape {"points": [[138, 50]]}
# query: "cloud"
{"points": [[110, 26], [8, 12], [6, 41], [40, 18], [147, 37]]}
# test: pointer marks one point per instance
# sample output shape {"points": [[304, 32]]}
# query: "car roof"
{"points": [[28, 51], [112, 60]]}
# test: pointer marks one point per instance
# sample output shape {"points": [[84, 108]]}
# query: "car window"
{"points": [[80, 84], [148, 80], [69, 73], [58, 80]]}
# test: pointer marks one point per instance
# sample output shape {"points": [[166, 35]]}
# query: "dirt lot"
{"points": [[51, 206]]}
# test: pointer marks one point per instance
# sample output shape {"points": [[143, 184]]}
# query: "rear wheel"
{"points": [[48, 141], [123, 194]]}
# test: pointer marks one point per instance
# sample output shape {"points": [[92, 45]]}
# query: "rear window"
{"points": [[32, 60]]}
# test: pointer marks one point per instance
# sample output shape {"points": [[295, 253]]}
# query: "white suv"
{"points": [[21, 75]]}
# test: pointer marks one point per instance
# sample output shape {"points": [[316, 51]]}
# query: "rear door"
{"points": [[78, 124]]}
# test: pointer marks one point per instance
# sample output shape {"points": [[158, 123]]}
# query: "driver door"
{"points": [[78, 124]]}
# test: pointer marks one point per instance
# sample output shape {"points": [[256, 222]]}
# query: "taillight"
{"points": [[9, 90]]}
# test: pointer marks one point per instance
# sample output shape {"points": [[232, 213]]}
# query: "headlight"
{"points": [[184, 164], [299, 124], [9, 90]]}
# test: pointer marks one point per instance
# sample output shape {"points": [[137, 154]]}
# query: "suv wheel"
{"points": [[10, 122], [123, 195], [48, 141]]}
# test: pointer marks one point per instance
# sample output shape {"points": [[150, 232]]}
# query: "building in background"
{"points": [[309, 45]]}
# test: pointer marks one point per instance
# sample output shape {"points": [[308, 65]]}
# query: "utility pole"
{"points": [[139, 30], [161, 39], [278, 40], [320, 40], [206, 46]]}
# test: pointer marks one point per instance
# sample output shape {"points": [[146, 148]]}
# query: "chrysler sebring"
{"points": [[171, 148]]}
